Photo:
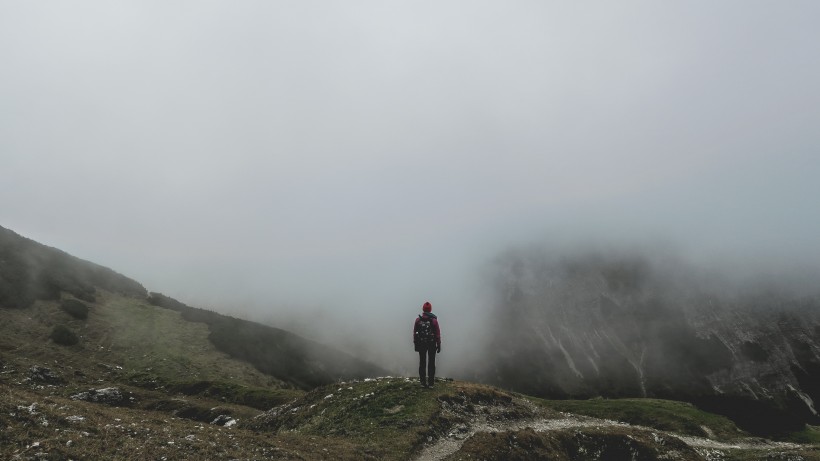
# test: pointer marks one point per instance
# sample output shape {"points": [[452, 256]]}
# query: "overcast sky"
{"points": [[356, 158]]}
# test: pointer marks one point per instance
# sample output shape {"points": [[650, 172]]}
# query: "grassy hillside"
{"points": [[128, 340], [383, 419], [184, 399], [668, 415], [32, 274], [304, 363], [30, 271]]}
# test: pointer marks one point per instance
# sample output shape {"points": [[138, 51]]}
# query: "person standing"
{"points": [[427, 341]]}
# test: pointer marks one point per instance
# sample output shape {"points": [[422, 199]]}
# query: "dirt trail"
{"points": [[450, 444]]}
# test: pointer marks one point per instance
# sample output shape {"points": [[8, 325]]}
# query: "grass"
{"points": [[255, 397], [181, 382], [810, 434], [38, 427], [798, 454], [389, 418], [130, 342], [380, 419], [666, 415], [620, 443], [302, 363], [157, 342]]}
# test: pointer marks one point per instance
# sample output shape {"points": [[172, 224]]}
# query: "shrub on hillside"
{"points": [[77, 309], [14, 284], [62, 335]]}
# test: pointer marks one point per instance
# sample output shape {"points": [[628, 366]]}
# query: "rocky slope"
{"points": [[625, 326]]}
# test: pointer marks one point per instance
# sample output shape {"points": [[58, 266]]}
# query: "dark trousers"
{"points": [[427, 361]]}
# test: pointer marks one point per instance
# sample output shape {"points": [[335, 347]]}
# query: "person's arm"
{"points": [[438, 335], [415, 324]]}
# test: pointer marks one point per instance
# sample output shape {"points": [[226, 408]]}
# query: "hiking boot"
{"points": [[423, 381], [430, 382]]}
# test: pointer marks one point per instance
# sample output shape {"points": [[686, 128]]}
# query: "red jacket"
{"points": [[435, 326]]}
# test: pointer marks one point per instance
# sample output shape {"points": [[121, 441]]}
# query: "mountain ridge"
{"points": [[624, 326]]}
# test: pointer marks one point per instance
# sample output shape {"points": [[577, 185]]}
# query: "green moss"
{"points": [[254, 397], [810, 434], [614, 443], [665, 415]]}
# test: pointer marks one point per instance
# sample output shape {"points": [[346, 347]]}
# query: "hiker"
{"points": [[427, 340]]}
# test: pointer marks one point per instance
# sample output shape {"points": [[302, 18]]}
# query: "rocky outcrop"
{"points": [[110, 396], [43, 375], [628, 327], [224, 420]]}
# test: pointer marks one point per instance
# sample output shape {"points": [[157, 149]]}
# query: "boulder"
{"points": [[109, 396], [44, 375]]}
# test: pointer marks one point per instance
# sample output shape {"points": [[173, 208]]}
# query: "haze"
{"points": [[330, 166]]}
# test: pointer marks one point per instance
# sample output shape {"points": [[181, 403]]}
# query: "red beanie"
{"points": [[427, 307]]}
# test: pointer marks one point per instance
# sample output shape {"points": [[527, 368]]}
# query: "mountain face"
{"points": [[624, 326], [30, 271]]}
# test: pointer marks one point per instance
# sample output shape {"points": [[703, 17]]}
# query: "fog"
{"points": [[330, 166]]}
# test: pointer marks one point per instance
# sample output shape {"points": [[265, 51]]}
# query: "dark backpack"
{"points": [[425, 332]]}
